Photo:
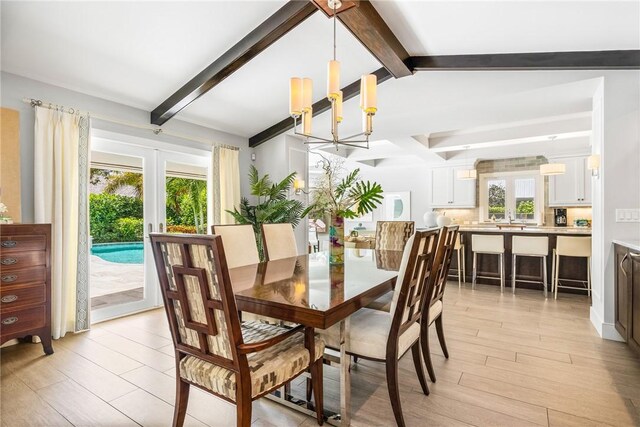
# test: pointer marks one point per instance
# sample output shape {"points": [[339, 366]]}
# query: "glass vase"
{"points": [[336, 240]]}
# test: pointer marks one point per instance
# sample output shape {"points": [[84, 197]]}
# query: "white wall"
{"points": [[15, 88], [618, 187], [280, 157]]}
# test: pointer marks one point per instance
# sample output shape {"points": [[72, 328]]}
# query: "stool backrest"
{"points": [[488, 243], [573, 246], [530, 245], [239, 243]]}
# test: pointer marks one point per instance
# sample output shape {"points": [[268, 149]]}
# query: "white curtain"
{"points": [[226, 176], [57, 197]]}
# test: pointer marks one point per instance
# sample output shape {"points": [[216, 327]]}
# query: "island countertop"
{"points": [[586, 231]]}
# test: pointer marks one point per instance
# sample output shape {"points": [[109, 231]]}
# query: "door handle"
{"points": [[8, 261], [632, 255], [10, 320], [161, 228], [624, 258], [9, 278], [9, 298], [9, 244]]}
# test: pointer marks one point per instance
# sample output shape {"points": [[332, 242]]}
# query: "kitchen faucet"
{"points": [[509, 217]]}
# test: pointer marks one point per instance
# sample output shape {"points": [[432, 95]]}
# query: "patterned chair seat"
{"points": [[269, 367]]}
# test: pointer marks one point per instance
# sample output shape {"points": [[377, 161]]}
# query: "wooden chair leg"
{"points": [[426, 352], [394, 391], [316, 380], [243, 410], [417, 362], [309, 389], [182, 400], [440, 331]]}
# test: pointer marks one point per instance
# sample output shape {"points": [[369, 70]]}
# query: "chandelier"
{"points": [[301, 99]]}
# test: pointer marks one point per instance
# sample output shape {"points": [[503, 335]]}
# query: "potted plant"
{"points": [[272, 205], [342, 198]]}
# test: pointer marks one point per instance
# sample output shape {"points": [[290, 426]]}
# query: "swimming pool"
{"points": [[122, 253]]}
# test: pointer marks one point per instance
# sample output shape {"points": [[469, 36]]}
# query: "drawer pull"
{"points": [[9, 278], [8, 261], [9, 298], [9, 244], [10, 320]]}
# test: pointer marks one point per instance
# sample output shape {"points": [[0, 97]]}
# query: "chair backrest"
{"points": [[198, 298], [487, 243], [530, 245], [414, 275], [573, 246], [393, 235], [279, 241], [442, 263], [239, 244]]}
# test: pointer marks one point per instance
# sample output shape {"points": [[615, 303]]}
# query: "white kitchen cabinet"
{"points": [[573, 188], [447, 191]]}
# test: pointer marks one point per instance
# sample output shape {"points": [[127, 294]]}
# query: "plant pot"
{"points": [[336, 240]]}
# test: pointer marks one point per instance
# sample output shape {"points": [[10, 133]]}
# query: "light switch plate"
{"points": [[627, 215]]}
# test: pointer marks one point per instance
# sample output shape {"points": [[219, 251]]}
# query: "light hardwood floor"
{"points": [[515, 361]]}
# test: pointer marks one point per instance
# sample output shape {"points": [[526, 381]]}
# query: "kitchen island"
{"points": [[529, 268]]}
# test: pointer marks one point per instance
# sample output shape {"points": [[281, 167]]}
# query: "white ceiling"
{"points": [[139, 53]]}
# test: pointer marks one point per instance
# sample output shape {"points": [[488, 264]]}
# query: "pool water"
{"points": [[122, 253]]}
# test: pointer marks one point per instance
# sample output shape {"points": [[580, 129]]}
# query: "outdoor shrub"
{"points": [[104, 212], [186, 229], [129, 229]]}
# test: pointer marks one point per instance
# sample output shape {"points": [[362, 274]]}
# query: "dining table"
{"points": [[309, 291]]}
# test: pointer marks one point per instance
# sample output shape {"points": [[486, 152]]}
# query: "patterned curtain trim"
{"points": [[82, 286], [217, 212]]}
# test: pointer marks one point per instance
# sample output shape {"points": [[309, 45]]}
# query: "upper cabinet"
{"points": [[573, 188], [447, 191]]}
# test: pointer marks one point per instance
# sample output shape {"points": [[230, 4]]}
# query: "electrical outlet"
{"points": [[627, 215]]}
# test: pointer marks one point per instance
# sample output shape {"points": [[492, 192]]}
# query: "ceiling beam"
{"points": [[366, 24], [348, 92], [584, 60], [265, 34]]}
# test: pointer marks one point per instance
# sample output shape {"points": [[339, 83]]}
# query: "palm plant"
{"points": [[119, 180], [272, 205], [347, 197], [195, 190]]}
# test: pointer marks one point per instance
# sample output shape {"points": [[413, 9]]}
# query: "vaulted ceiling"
{"points": [[139, 53]]}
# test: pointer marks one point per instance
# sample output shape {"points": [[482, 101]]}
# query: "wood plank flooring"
{"points": [[515, 361]]}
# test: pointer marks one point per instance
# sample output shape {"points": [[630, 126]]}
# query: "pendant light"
{"points": [[550, 169]]}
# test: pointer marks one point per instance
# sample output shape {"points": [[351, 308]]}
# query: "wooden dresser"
{"points": [[25, 283]]}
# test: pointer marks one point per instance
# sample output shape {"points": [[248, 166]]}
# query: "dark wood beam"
{"points": [[366, 24], [265, 34], [583, 60], [319, 107]]}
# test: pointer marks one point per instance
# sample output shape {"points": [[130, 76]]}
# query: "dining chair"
{"points": [[386, 337], [390, 236], [278, 241], [393, 235], [239, 244], [214, 351], [433, 304]]}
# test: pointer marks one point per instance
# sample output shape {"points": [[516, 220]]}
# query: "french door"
{"points": [[171, 187]]}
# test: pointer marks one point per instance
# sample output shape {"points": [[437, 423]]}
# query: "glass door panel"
{"points": [[121, 212], [497, 191]]}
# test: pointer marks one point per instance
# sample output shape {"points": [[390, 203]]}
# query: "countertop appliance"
{"points": [[560, 217]]}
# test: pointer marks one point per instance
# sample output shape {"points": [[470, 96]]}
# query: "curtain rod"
{"points": [[156, 130]]}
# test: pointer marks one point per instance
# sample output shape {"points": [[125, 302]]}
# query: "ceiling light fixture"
{"points": [[553, 168], [301, 99]]}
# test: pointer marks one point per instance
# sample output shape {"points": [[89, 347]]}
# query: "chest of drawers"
{"points": [[25, 283]]}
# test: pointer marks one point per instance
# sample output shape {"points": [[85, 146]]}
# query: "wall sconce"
{"points": [[593, 164], [298, 186]]}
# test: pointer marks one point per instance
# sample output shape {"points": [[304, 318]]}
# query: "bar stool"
{"points": [[459, 248], [489, 245], [531, 247], [574, 247]]}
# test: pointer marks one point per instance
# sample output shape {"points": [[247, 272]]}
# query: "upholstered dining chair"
{"points": [[390, 236], [386, 337], [433, 305], [239, 244], [393, 235], [278, 241], [213, 350]]}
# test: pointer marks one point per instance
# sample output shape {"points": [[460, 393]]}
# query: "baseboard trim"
{"points": [[605, 330]]}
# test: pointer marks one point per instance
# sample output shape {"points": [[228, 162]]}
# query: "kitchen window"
{"points": [[518, 195]]}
